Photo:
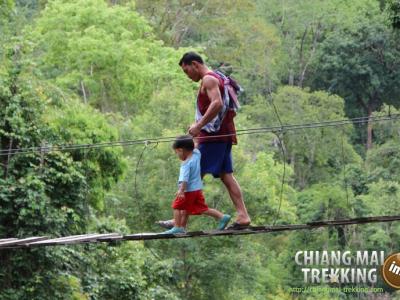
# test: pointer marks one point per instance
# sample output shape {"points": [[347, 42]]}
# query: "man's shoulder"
{"points": [[210, 80]]}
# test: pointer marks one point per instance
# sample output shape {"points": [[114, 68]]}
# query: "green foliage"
{"points": [[371, 73], [85, 72], [80, 124], [123, 271], [106, 54], [393, 8], [388, 130], [314, 154], [46, 193], [367, 80], [382, 199], [303, 26], [324, 202], [383, 162], [261, 181], [249, 47], [6, 7]]}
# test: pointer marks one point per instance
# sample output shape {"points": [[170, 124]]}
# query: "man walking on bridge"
{"points": [[214, 132], [215, 151]]}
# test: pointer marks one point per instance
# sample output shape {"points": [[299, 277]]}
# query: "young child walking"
{"points": [[189, 197]]}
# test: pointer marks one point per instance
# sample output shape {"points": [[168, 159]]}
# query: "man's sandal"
{"points": [[238, 226]]}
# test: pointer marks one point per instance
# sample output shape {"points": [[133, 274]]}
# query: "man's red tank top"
{"points": [[227, 126]]}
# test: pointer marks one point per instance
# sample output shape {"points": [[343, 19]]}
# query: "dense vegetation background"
{"points": [[91, 71]]}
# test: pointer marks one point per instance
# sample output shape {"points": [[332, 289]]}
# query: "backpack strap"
{"points": [[231, 91], [215, 124], [229, 100]]}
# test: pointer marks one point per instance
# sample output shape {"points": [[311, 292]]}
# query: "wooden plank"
{"points": [[92, 238], [263, 229], [74, 239], [57, 239], [148, 236], [20, 242], [362, 220], [9, 239], [109, 237]]}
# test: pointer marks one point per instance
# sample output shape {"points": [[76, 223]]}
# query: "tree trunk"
{"points": [[83, 92], [341, 237], [291, 78], [304, 64], [369, 128], [7, 164], [3, 157]]}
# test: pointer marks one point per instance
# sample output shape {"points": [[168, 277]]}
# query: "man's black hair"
{"points": [[184, 142], [190, 57]]}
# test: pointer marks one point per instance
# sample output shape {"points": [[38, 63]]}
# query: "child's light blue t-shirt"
{"points": [[190, 172]]}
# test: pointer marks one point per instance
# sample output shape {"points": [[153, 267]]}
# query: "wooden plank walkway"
{"points": [[7, 243]]}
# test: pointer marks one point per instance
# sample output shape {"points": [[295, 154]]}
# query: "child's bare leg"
{"points": [[213, 213], [178, 217], [184, 218]]}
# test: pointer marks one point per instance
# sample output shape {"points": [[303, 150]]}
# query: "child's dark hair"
{"points": [[184, 142]]}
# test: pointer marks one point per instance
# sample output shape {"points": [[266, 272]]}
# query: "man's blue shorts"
{"points": [[216, 158]]}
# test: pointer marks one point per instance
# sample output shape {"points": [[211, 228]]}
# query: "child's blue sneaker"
{"points": [[175, 230], [223, 222]]}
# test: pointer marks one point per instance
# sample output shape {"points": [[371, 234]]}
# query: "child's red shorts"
{"points": [[193, 203]]}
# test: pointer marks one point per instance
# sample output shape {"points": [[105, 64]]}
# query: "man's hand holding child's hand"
{"points": [[180, 194]]}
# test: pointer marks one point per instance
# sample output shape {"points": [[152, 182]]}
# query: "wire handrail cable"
{"points": [[280, 128]]}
